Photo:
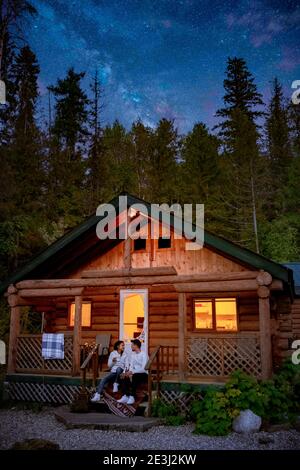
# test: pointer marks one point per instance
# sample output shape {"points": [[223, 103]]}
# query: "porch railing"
{"points": [[162, 362], [29, 356], [219, 355]]}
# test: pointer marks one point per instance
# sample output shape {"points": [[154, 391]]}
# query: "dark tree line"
{"points": [[246, 171]]}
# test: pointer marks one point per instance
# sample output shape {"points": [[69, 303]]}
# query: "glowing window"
{"points": [[133, 316], [85, 316], [215, 314], [203, 314], [226, 318]]}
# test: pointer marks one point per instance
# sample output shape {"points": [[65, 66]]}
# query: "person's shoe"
{"points": [[115, 387], [124, 399], [130, 400], [96, 397]]}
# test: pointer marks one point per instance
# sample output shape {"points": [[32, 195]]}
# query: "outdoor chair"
{"points": [[103, 340]]}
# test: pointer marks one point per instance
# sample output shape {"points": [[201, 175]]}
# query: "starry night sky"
{"points": [[165, 58]]}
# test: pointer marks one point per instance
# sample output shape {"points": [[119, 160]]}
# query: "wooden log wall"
{"points": [[296, 318], [105, 317], [282, 328], [163, 316]]}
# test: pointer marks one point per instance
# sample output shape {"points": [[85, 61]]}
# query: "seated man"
{"points": [[136, 373], [117, 363]]}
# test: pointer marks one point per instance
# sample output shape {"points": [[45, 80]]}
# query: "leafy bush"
{"points": [[170, 413], [212, 414], [282, 394], [244, 392], [276, 400], [178, 420]]}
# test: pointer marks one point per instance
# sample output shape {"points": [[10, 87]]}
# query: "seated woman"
{"points": [[117, 363]]}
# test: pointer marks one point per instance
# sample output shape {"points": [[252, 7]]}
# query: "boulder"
{"points": [[246, 422]]}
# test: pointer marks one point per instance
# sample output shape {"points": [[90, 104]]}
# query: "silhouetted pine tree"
{"points": [[242, 191], [66, 168], [278, 146], [97, 170], [142, 148], [163, 164]]}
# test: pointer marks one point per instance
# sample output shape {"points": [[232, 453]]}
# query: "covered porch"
{"points": [[195, 358]]}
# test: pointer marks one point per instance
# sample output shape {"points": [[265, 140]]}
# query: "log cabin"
{"points": [[201, 313]]}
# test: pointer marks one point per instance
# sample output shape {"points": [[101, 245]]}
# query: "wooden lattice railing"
{"points": [[219, 355], [29, 356]]}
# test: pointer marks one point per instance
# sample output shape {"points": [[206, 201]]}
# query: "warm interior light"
{"points": [[203, 314], [85, 315], [133, 316], [225, 312], [226, 318]]}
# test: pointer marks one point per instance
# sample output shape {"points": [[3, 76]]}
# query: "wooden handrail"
{"points": [[83, 367], [151, 358], [89, 357], [154, 356]]}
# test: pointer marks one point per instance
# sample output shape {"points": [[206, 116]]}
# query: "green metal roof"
{"points": [[220, 244]]}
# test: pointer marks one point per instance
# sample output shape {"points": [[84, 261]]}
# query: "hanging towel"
{"points": [[53, 346]]}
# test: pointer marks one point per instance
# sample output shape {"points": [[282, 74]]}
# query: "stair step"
{"points": [[101, 407]]}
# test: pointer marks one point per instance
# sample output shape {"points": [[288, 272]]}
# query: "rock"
{"points": [[35, 444], [246, 422]]}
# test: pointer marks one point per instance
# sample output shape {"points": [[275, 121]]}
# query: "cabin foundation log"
{"points": [[13, 338], [77, 336], [265, 331]]}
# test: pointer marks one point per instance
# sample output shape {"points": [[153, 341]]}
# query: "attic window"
{"points": [[139, 244], [164, 243]]}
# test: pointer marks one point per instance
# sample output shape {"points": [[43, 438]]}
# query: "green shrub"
{"points": [[244, 392], [282, 394], [276, 400], [170, 413], [178, 420], [213, 414]]}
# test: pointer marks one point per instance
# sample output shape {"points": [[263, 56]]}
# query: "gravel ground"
{"points": [[16, 425]]}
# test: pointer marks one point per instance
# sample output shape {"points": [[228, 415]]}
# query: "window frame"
{"points": [[86, 301], [142, 250], [213, 300], [167, 247]]}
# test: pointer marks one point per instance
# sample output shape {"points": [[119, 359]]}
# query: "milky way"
{"points": [[165, 58]]}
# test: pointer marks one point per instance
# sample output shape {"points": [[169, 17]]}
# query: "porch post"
{"points": [[181, 335], [77, 335], [14, 332], [265, 331]]}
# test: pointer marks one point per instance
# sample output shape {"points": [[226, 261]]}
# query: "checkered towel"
{"points": [[53, 346]]}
